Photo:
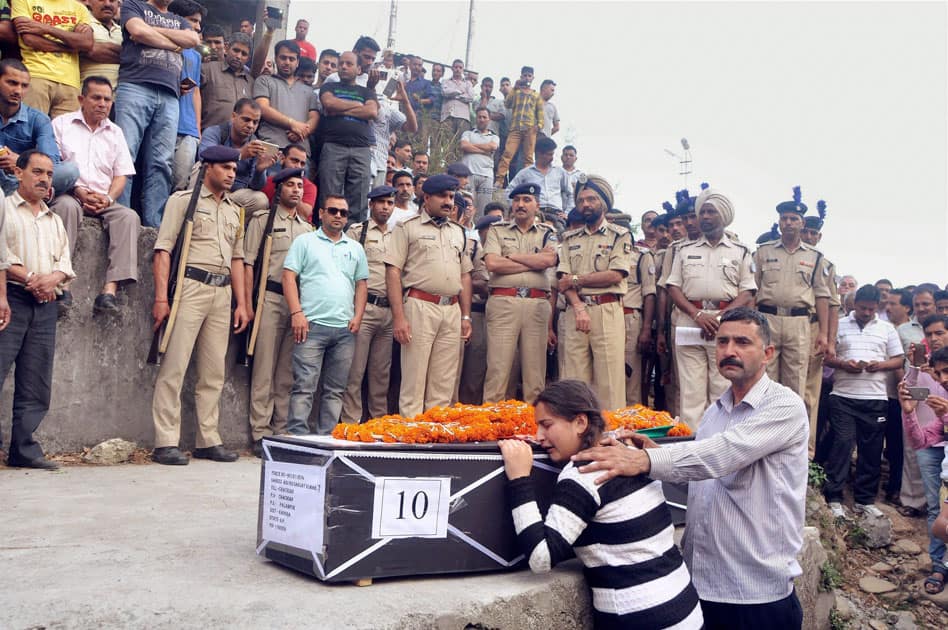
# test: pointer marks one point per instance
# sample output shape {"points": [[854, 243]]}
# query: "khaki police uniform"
{"points": [[518, 312], [372, 356], [597, 357], [788, 285], [203, 318], [272, 372], [641, 283], [431, 257], [473, 366], [666, 362], [712, 276], [814, 372]]}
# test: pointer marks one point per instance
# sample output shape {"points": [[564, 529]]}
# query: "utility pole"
{"points": [[392, 23], [470, 34]]}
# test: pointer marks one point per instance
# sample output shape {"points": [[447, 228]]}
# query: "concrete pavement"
{"points": [[173, 547]]}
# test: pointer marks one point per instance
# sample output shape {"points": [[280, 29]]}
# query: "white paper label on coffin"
{"points": [[411, 507], [294, 503]]}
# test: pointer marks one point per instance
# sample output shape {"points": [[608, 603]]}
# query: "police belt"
{"points": [[208, 278], [378, 300], [478, 307], [441, 300], [796, 311], [274, 287], [523, 292], [598, 300], [710, 305]]}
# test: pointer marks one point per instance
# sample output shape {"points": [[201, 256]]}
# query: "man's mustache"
{"points": [[731, 361]]}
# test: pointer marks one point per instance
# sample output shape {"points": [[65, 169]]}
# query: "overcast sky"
{"points": [[846, 99]]}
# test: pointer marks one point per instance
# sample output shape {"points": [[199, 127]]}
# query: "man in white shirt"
{"points": [[89, 139], [866, 348], [478, 146], [405, 207], [568, 158], [551, 117]]}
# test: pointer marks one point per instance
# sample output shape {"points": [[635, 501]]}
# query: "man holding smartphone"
{"points": [[866, 348]]}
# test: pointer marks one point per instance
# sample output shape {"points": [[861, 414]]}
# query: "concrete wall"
{"points": [[102, 385]]}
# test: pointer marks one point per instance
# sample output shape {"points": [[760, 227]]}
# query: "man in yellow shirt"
{"points": [[52, 34]]}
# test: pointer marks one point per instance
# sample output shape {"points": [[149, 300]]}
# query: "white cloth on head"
{"points": [[720, 202]]}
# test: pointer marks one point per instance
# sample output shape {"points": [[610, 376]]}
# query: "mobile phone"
{"points": [[918, 393], [272, 149], [383, 74], [188, 84], [390, 88], [919, 356], [275, 13]]}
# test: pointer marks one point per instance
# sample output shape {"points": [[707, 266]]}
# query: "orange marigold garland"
{"points": [[485, 423]]}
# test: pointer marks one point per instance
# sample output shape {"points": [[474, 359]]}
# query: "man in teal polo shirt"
{"points": [[332, 271]]}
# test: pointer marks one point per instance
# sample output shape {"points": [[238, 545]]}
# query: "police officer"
{"points": [[519, 313], [272, 374], [708, 276], [666, 352], [811, 234], [428, 281], [791, 286], [638, 305], [593, 265], [373, 343], [214, 266]]}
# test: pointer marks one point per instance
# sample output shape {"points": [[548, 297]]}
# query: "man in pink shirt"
{"points": [[97, 145], [926, 429]]}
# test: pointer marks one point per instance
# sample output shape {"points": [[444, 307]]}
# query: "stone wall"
{"points": [[102, 385]]}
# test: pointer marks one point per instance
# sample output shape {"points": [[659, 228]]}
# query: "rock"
{"points": [[905, 621], [844, 607], [881, 567], [906, 546], [895, 597], [875, 624], [877, 530], [940, 600], [816, 604], [114, 451], [876, 585]]}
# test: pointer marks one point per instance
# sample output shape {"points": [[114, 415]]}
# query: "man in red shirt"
{"points": [[294, 156], [306, 49]]}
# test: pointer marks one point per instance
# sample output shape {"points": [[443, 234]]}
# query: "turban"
{"points": [[720, 202], [599, 185]]}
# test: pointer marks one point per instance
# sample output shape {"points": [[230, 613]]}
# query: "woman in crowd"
{"points": [[621, 531]]}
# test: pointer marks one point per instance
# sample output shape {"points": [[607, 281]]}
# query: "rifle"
{"points": [[261, 271], [179, 260]]}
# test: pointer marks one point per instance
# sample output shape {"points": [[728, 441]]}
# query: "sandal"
{"points": [[911, 512], [935, 585]]}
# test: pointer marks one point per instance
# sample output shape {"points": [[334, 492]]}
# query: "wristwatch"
{"points": [[465, 317]]}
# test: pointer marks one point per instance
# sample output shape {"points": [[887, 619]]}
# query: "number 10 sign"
{"points": [[411, 507]]}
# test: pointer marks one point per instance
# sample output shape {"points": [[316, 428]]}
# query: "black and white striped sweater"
{"points": [[623, 533]]}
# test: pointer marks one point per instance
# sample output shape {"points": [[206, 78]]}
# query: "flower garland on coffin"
{"points": [[483, 423]]}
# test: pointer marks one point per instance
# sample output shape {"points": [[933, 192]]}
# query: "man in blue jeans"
{"points": [[146, 101], [325, 312]]}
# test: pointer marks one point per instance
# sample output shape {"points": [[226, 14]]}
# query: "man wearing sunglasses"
{"points": [[326, 311]]}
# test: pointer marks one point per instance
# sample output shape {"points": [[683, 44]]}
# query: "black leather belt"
{"points": [[208, 278], [796, 311], [274, 287], [378, 300], [478, 307]]}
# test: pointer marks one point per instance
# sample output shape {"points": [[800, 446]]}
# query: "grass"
{"points": [[816, 476], [830, 577]]}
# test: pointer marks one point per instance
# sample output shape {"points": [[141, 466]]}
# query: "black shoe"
{"points": [[257, 448], [169, 456], [40, 462], [105, 303], [63, 304], [216, 453]]}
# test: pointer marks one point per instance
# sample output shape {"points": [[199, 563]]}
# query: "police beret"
{"points": [[574, 216], [439, 184], [287, 173], [458, 170], [816, 222], [487, 221], [796, 205], [460, 201], [525, 189], [381, 191], [219, 154]]}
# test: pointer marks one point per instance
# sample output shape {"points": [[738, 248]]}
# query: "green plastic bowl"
{"points": [[655, 432]]}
